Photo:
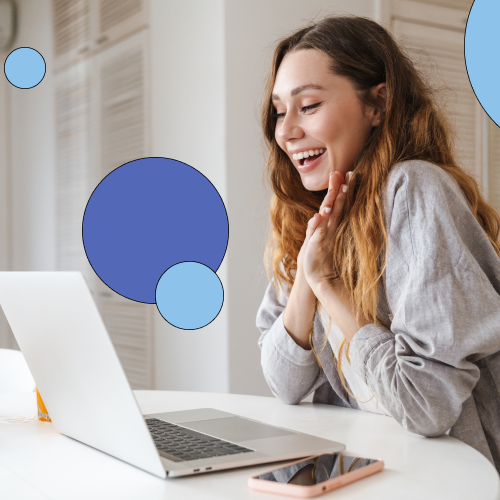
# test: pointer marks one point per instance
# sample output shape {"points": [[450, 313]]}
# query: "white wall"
{"points": [[188, 124]]}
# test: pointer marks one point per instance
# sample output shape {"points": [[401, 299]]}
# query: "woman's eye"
{"points": [[304, 108]]}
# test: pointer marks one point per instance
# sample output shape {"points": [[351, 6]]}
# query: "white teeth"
{"points": [[306, 154]]}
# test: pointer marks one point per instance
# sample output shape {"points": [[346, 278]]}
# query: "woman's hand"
{"points": [[318, 245], [311, 226]]}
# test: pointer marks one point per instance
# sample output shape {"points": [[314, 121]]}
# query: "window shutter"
{"points": [[101, 124], [493, 164], [438, 51], [114, 12], [122, 109], [72, 166], [130, 327], [123, 138], [71, 25], [118, 19]]}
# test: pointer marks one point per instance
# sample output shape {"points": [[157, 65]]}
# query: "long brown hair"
{"points": [[413, 127]]}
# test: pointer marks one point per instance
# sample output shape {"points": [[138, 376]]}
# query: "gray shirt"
{"points": [[435, 362]]}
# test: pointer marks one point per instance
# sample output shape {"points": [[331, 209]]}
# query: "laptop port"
{"points": [[196, 470], [208, 468]]}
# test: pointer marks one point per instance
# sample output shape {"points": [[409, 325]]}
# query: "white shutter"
{"points": [[118, 19], [83, 28], [101, 124], [122, 97], [130, 326], [73, 107], [493, 164], [123, 104], [114, 12], [72, 30], [444, 46]]}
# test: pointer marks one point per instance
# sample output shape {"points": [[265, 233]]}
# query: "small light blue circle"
{"points": [[481, 46], [24, 68], [189, 295]]}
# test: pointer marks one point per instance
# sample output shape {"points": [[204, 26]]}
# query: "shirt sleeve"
{"points": [[291, 372], [445, 305]]}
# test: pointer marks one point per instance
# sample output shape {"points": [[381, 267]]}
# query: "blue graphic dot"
{"points": [[24, 68], [147, 216], [189, 295], [482, 46]]}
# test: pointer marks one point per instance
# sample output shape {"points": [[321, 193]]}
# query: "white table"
{"points": [[36, 462]]}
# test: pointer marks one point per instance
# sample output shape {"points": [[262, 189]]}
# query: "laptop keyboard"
{"points": [[179, 444]]}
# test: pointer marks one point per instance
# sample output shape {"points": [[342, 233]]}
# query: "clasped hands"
{"points": [[320, 234], [318, 262]]}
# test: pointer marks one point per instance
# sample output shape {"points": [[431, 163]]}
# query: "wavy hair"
{"points": [[414, 126]]}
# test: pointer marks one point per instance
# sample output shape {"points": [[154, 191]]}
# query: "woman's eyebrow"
{"points": [[298, 90]]}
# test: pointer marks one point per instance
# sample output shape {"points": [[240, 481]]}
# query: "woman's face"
{"points": [[335, 122]]}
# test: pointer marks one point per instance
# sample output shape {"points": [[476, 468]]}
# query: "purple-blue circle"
{"points": [[147, 216]]}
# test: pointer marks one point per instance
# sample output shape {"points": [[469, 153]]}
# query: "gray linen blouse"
{"points": [[435, 362]]}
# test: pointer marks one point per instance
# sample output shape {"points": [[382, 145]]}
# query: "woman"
{"points": [[406, 262]]}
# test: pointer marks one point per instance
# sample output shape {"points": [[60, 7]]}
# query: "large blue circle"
{"points": [[482, 47], [24, 67], [189, 295], [147, 216]]}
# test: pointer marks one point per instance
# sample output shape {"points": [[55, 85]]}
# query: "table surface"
{"points": [[36, 462]]}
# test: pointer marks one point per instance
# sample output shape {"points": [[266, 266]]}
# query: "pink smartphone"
{"points": [[314, 476]]}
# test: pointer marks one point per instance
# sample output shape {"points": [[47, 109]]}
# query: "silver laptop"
{"points": [[61, 334]]}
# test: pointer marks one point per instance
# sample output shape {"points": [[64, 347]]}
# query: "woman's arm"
{"points": [[442, 281], [289, 365], [299, 311], [291, 372]]}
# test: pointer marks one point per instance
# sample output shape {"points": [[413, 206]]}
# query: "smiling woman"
{"points": [[326, 114], [402, 253]]}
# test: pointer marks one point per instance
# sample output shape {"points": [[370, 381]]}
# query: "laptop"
{"points": [[65, 343]]}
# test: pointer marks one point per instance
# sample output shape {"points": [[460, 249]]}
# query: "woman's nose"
{"points": [[289, 129]]}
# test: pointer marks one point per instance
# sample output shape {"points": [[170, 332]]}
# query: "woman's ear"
{"points": [[380, 94]]}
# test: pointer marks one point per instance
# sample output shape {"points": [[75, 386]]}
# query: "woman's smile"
{"points": [[308, 164]]}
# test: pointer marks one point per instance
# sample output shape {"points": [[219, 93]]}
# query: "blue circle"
{"points": [[24, 68], [189, 295], [148, 215], [482, 46]]}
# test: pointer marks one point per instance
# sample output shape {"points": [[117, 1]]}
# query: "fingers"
{"points": [[335, 185], [338, 207], [333, 189]]}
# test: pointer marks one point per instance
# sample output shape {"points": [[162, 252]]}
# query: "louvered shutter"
{"points": [[73, 108], [72, 30], [444, 46], [123, 133], [120, 18], [130, 327], [123, 130], [114, 12], [83, 28], [493, 163]]}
